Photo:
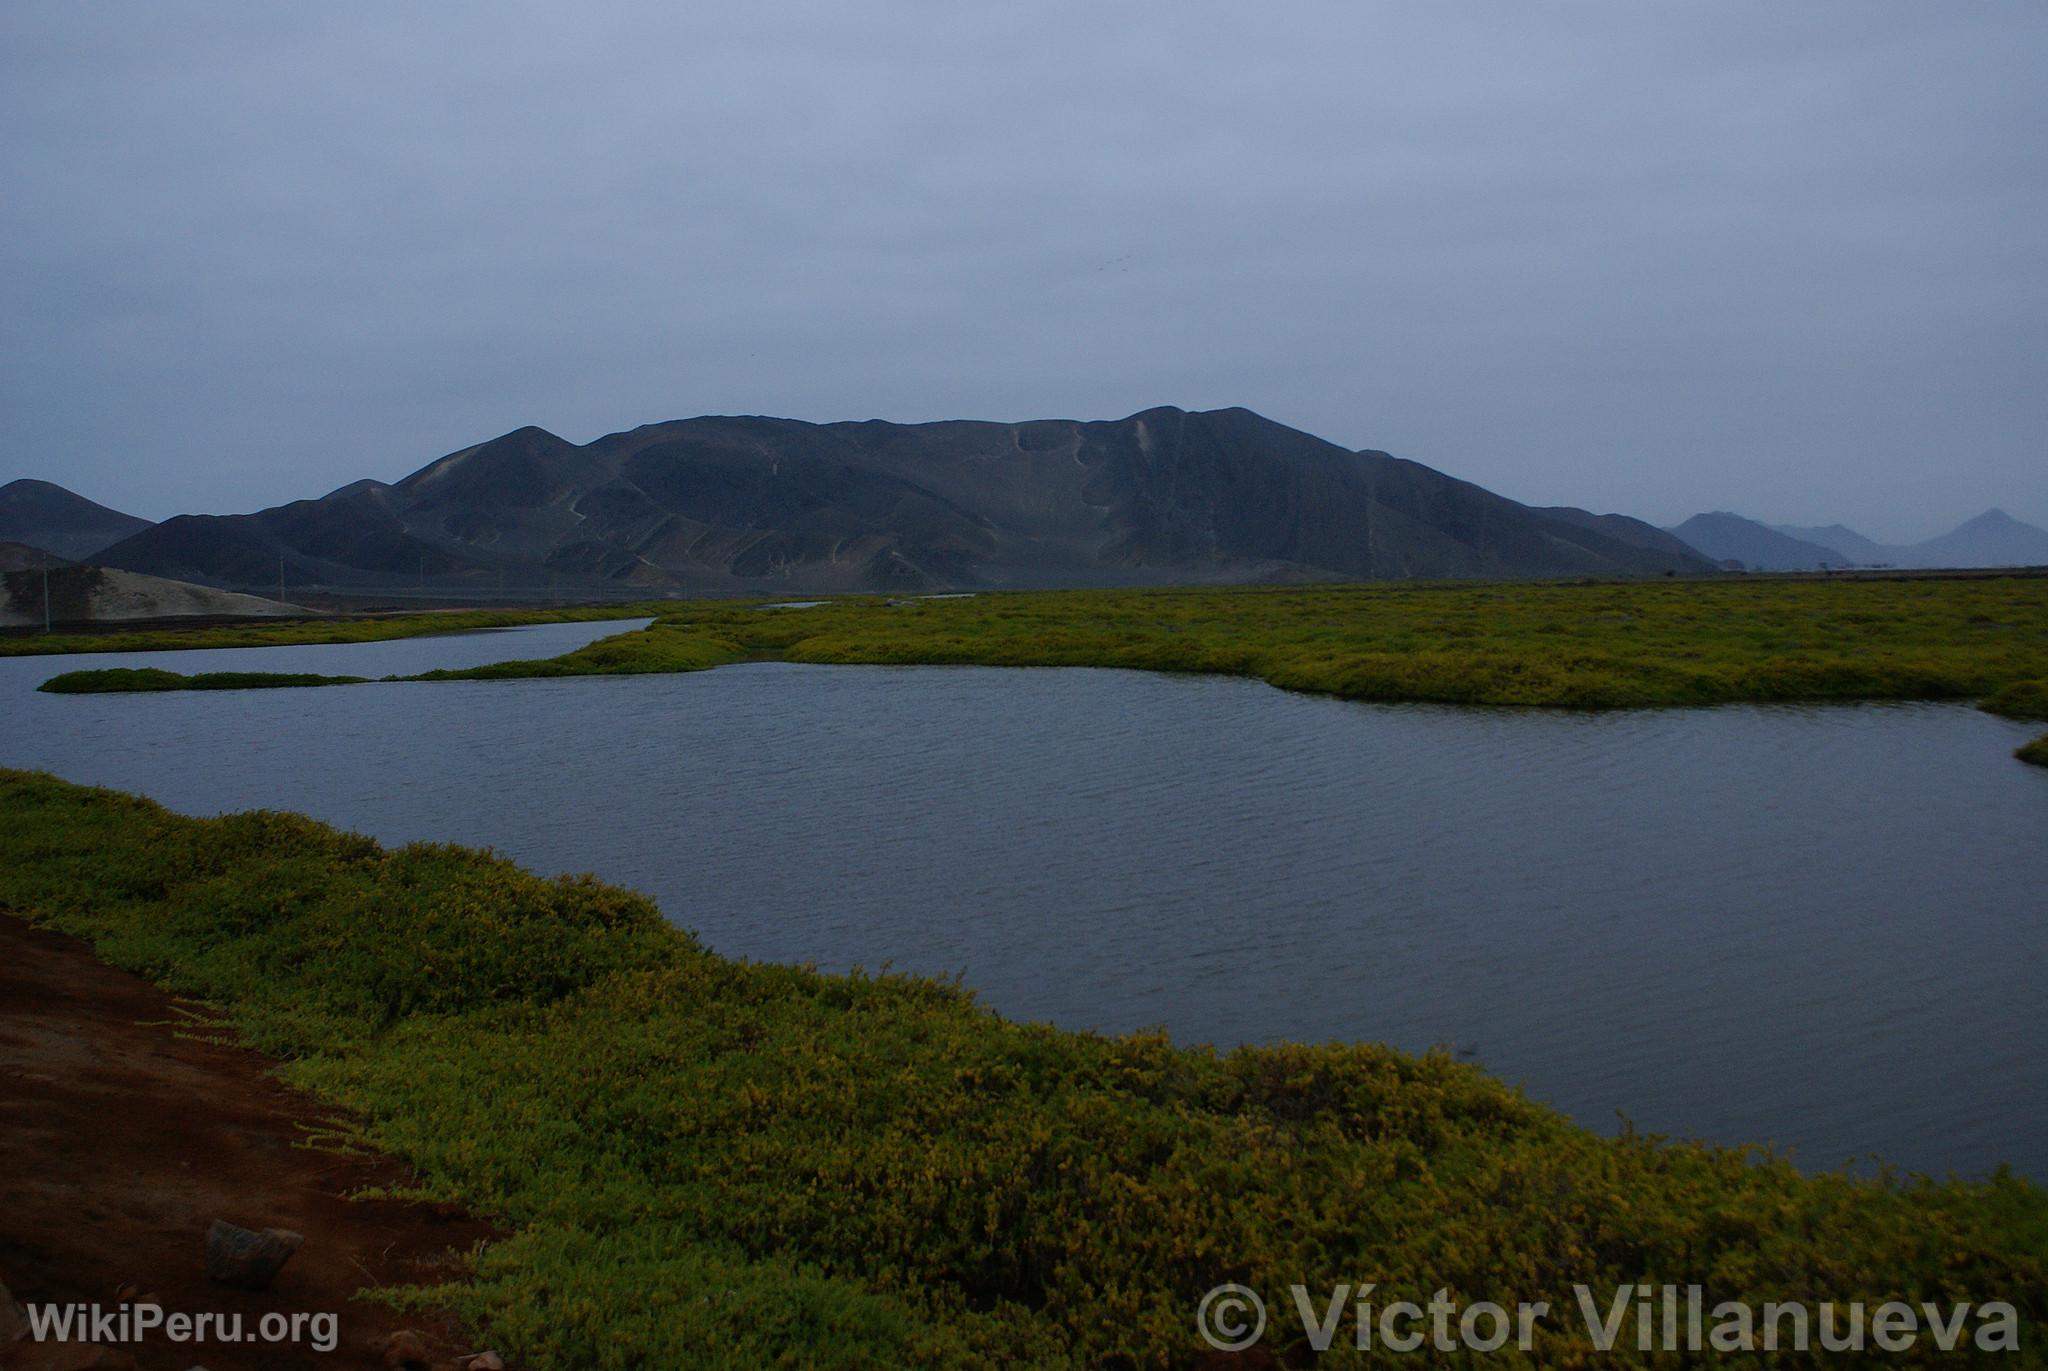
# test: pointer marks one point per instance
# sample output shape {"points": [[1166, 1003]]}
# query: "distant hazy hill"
{"points": [[90, 594], [777, 504], [50, 517], [1858, 549], [1729, 537], [1994, 538]]}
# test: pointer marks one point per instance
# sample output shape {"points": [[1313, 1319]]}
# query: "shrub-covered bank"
{"points": [[712, 1163]]}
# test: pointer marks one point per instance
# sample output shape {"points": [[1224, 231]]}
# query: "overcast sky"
{"points": [[1788, 259]]}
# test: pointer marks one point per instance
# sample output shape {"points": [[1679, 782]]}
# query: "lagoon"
{"points": [[1819, 926]]}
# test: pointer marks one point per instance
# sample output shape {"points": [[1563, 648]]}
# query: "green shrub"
{"points": [[715, 1163], [2020, 700]]}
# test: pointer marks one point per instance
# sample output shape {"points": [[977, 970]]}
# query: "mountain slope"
{"points": [[50, 517], [1623, 528], [755, 503], [22, 557], [1729, 537]]}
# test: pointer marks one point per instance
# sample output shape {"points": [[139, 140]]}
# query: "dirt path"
{"points": [[120, 1142]]}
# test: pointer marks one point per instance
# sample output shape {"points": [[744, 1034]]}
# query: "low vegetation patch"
{"points": [[2020, 700], [2035, 752], [712, 1163], [126, 679]]}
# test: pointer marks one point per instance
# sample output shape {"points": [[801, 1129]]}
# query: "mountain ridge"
{"points": [[758, 503]]}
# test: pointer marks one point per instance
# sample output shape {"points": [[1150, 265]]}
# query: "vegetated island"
{"points": [[126, 680], [704, 1162], [1573, 644]]}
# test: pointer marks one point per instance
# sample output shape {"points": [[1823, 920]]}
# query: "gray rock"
{"points": [[404, 1349], [246, 1259]]}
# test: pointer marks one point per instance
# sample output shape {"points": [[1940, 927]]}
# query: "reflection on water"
{"points": [[1819, 926]]}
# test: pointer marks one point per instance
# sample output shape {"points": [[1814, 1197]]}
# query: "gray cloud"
{"points": [[1784, 259]]}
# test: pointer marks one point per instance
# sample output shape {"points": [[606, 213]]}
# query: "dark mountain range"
{"points": [[1729, 537], [51, 518], [776, 504]]}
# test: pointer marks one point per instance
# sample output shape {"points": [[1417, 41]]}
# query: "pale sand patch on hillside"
{"points": [[103, 595]]}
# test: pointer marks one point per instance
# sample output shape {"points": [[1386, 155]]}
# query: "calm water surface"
{"points": [[1822, 927]]}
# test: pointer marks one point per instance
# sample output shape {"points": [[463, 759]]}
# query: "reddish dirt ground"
{"points": [[121, 1141]]}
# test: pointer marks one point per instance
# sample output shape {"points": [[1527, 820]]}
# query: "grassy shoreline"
{"points": [[713, 1163], [1594, 645]]}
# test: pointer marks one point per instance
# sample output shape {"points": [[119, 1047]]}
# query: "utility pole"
{"points": [[46, 592], [280, 578]]}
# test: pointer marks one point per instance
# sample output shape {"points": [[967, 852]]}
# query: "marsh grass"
{"points": [[2020, 700], [710, 1163], [1590, 645]]}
